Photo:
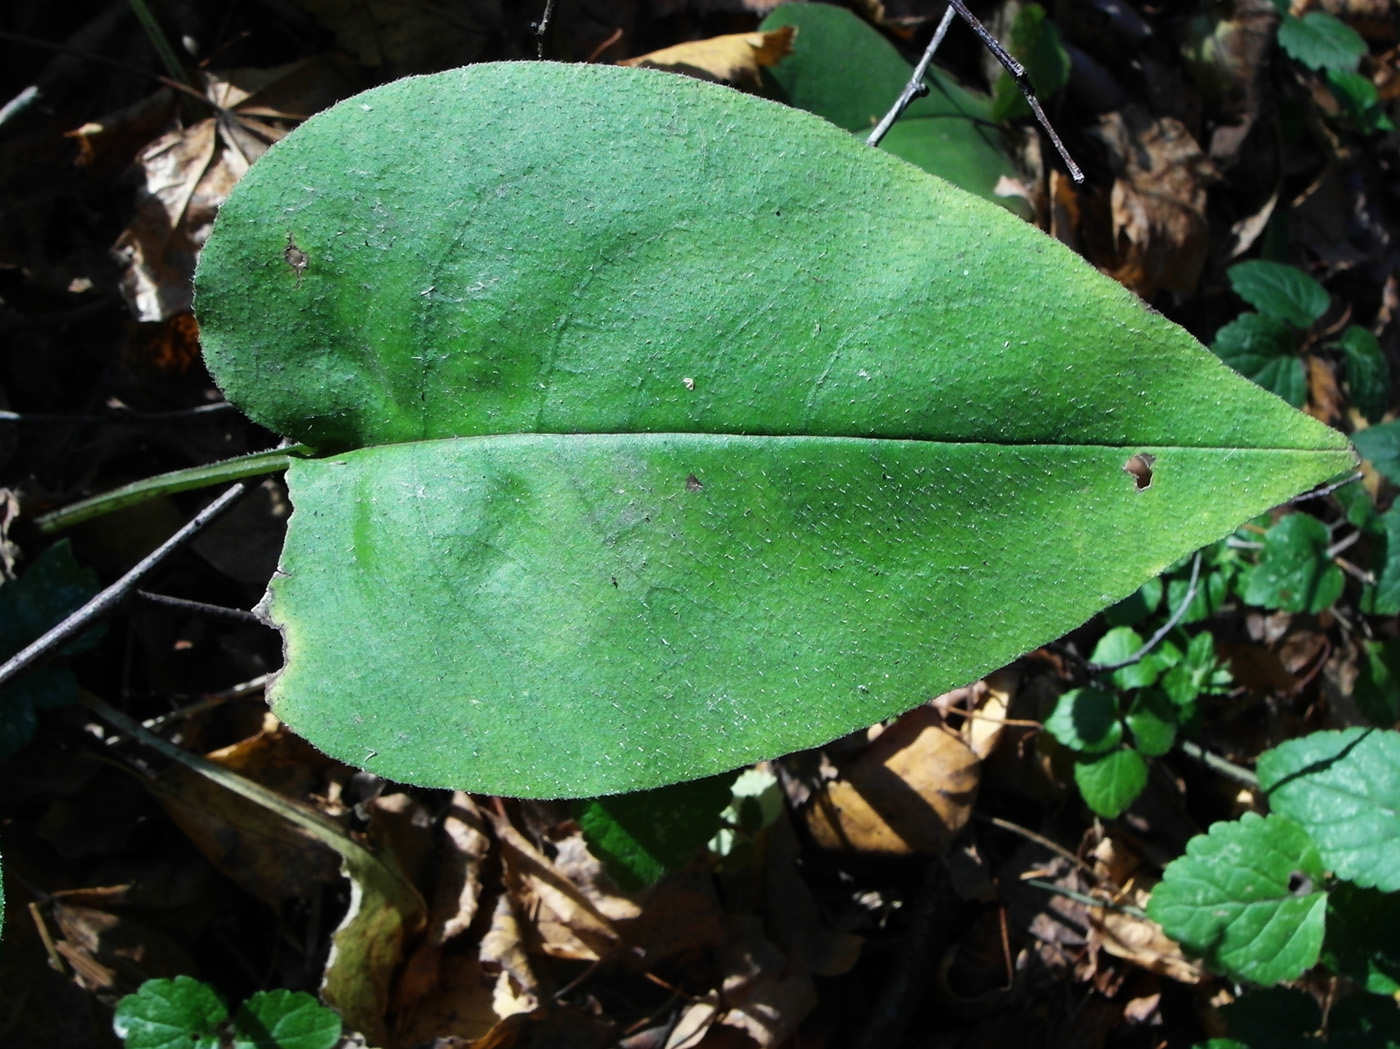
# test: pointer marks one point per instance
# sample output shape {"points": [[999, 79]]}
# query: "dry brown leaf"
{"points": [[1141, 940], [503, 947], [189, 171], [113, 952], [910, 791], [572, 921], [731, 59], [1161, 236]]}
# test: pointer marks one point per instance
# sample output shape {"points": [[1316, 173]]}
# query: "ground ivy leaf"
{"points": [[283, 1019], [1344, 787], [1119, 644], [642, 835], [1380, 446], [660, 467], [1368, 374], [183, 1013], [1319, 41], [1111, 782], [1247, 898], [1152, 718], [1261, 349], [1279, 291], [1086, 720], [1294, 572]]}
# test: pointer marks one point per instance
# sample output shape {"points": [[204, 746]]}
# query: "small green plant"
{"points": [[1263, 899], [1269, 344], [1327, 46], [185, 1013]]}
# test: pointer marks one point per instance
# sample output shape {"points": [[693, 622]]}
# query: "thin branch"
{"points": [[1342, 544], [115, 594], [1328, 489], [916, 88], [1153, 641], [1018, 74], [1039, 839], [241, 615], [1228, 769], [541, 27], [1088, 901], [116, 415]]}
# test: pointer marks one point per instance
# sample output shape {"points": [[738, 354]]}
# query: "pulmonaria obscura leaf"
{"points": [[668, 428]]}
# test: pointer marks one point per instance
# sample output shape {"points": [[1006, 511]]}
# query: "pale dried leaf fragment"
{"points": [[1141, 940], [910, 792], [732, 59]]}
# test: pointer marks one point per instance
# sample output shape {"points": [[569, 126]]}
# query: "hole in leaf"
{"points": [[692, 484], [1299, 884], [1140, 466]]}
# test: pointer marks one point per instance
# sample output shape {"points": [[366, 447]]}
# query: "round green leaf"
{"points": [[1152, 718], [1320, 41], [1086, 720], [1380, 446], [1344, 787], [1294, 572], [1247, 897], [283, 1019], [1279, 291], [1122, 643], [1261, 349], [1368, 373], [677, 453], [183, 1013], [1111, 782]]}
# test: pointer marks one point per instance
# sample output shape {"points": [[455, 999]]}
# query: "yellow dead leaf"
{"points": [[909, 792], [730, 59]]}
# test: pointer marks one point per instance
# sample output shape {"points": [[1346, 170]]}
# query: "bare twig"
{"points": [[1228, 769], [1153, 641], [1087, 901], [1342, 544], [541, 27], [1018, 74], [916, 88], [1328, 489], [115, 594], [200, 608]]}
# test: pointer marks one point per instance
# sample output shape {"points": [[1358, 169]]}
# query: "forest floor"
{"points": [[1002, 921]]}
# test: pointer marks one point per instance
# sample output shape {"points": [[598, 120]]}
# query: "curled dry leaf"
{"points": [[909, 792], [731, 59], [1161, 236], [1141, 940]]}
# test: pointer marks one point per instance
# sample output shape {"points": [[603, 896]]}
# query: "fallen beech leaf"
{"points": [[991, 701], [735, 58], [910, 791]]}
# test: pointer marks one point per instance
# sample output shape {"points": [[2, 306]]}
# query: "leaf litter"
{"points": [[525, 934]]}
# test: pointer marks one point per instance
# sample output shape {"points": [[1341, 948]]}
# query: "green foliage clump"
{"points": [[185, 1013]]}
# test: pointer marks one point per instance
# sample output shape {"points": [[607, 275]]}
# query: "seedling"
{"points": [[185, 1013]]}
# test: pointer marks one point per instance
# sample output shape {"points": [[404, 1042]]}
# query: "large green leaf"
{"points": [[690, 431]]}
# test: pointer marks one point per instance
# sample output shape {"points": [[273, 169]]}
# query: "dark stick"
{"points": [[1018, 73], [200, 608], [115, 594]]}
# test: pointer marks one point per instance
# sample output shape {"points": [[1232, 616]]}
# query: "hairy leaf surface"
{"points": [[675, 429]]}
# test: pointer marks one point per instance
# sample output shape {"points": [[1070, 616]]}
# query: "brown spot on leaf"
{"points": [[692, 484], [295, 257], [1140, 466]]}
